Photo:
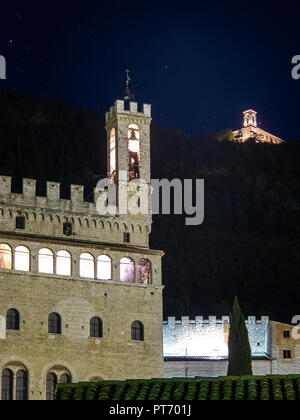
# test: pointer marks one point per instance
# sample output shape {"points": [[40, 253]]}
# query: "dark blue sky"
{"points": [[200, 64]]}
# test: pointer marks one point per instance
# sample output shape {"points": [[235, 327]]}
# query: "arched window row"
{"points": [[99, 268]]}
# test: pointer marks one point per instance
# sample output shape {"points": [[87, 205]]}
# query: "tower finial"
{"points": [[128, 94]]}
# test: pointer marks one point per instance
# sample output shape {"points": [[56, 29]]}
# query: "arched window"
{"points": [[46, 261], [63, 263], [21, 386], [96, 329], [65, 379], [87, 266], [54, 324], [127, 270], [5, 257], [104, 267], [51, 382], [134, 151], [113, 153], [137, 331], [145, 271], [22, 258], [7, 385], [12, 320]]}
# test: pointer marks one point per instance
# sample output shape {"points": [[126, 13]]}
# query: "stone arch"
{"points": [[79, 221], [108, 225], [41, 217], [1, 212], [26, 215], [131, 227], [140, 229], [94, 223], [101, 225], [123, 227], [65, 219], [18, 363], [57, 219], [33, 216], [49, 218], [116, 226], [59, 366], [86, 222], [72, 220], [9, 214]]}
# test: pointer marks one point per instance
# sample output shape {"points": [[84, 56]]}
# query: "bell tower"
{"points": [[250, 118], [128, 154]]}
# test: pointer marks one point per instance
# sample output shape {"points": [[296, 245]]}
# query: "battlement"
{"points": [[53, 194], [119, 108], [200, 320], [201, 337]]}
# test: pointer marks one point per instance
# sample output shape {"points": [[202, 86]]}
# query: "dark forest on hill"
{"points": [[249, 243]]}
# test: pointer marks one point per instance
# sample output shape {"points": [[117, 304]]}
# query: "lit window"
{"points": [[104, 267], [46, 261], [5, 257], [87, 266], [113, 160], [63, 263], [134, 151], [145, 271], [127, 270], [22, 258]]}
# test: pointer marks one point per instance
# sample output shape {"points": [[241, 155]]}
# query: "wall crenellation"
{"points": [[201, 337], [172, 321], [119, 108], [46, 215]]}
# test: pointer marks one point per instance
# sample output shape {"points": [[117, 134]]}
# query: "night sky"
{"points": [[200, 64]]}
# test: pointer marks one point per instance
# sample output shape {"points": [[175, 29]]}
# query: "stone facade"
{"points": [[200, 347], [250, 130], [116, 353]]}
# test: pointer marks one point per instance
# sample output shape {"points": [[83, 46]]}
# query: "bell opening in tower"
{"points": [[134, 152], [113, 158]]}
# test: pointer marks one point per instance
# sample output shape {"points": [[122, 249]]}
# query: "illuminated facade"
{"points": [[80, 292], [200, 347], [251, 131]]}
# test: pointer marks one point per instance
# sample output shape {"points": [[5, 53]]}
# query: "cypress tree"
{"points": [[240, 356]]}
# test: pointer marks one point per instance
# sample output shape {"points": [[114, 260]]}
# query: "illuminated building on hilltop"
{"points": [[250, 131]]}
